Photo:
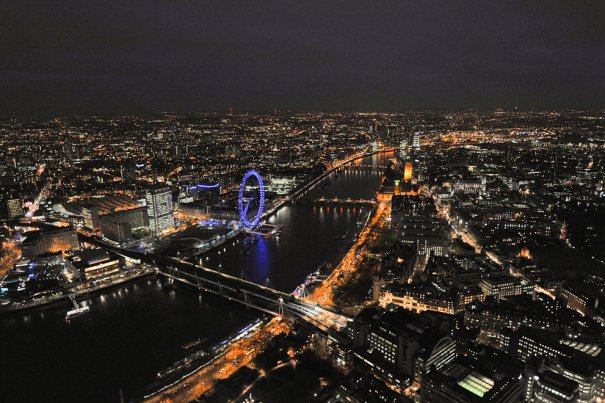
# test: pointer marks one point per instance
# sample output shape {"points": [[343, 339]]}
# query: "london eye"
{"points": [[251, 200]]}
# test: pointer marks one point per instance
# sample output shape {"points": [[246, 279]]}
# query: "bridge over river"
{"points": [[335, 201], [248, 293]]}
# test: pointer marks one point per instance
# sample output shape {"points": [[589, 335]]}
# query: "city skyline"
{"points": [[305, 202], [190, 249]]}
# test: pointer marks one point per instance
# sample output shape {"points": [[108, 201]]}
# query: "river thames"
{"points": [[135, 330]]}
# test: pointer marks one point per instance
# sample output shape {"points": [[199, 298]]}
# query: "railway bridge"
{"points": [[248, 293]]}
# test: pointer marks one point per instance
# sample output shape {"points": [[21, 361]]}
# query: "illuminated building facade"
{"points": [[551, 387], [577, 300], [340, 349], [159, 209], [404, 148], [400, 346], [499, 314], [13, 208], [50, 241], [473, 187], [416, 140], [420, 298], [504, 286], [417, 299], [91, 217], [407, 171], [116, 229], [582, 362], [95, 264]]}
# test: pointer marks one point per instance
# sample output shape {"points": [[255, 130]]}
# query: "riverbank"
{"points": [[324, 294], [119, 279], [239, 353]]}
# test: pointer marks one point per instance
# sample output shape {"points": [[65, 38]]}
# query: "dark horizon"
{"points": [[145, 58], [148, 114]]}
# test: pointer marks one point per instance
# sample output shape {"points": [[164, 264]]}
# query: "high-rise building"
{"points": [[416, 140], [116, 229], [13, 208], [160, 209], [404, 149], [91, 217]]}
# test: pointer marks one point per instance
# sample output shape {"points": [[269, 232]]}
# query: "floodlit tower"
{"points": [[407, 171]]}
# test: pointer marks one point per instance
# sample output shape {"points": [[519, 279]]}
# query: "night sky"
{"points": [[128, 56]]}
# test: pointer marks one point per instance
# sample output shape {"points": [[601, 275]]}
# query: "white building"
{"points": [[404, 149], [416, 141], [159, 209], [13, 208]]}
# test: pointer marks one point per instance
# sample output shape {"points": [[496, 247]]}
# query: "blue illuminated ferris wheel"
{"points": [[247, 202]]}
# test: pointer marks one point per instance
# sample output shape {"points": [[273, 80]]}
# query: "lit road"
{"points": [[444, 211], [324, 293], [44, 193], [238, 355]]}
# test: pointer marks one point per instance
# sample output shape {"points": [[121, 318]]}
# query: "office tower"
{"points": [[416, 140], [13, 208], [159, 209], [116, 228], [404, 148], [91, 217]]}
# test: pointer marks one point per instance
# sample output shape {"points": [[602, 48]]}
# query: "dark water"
{"points": [[311, 235], [135, 330], [131, 332]]}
